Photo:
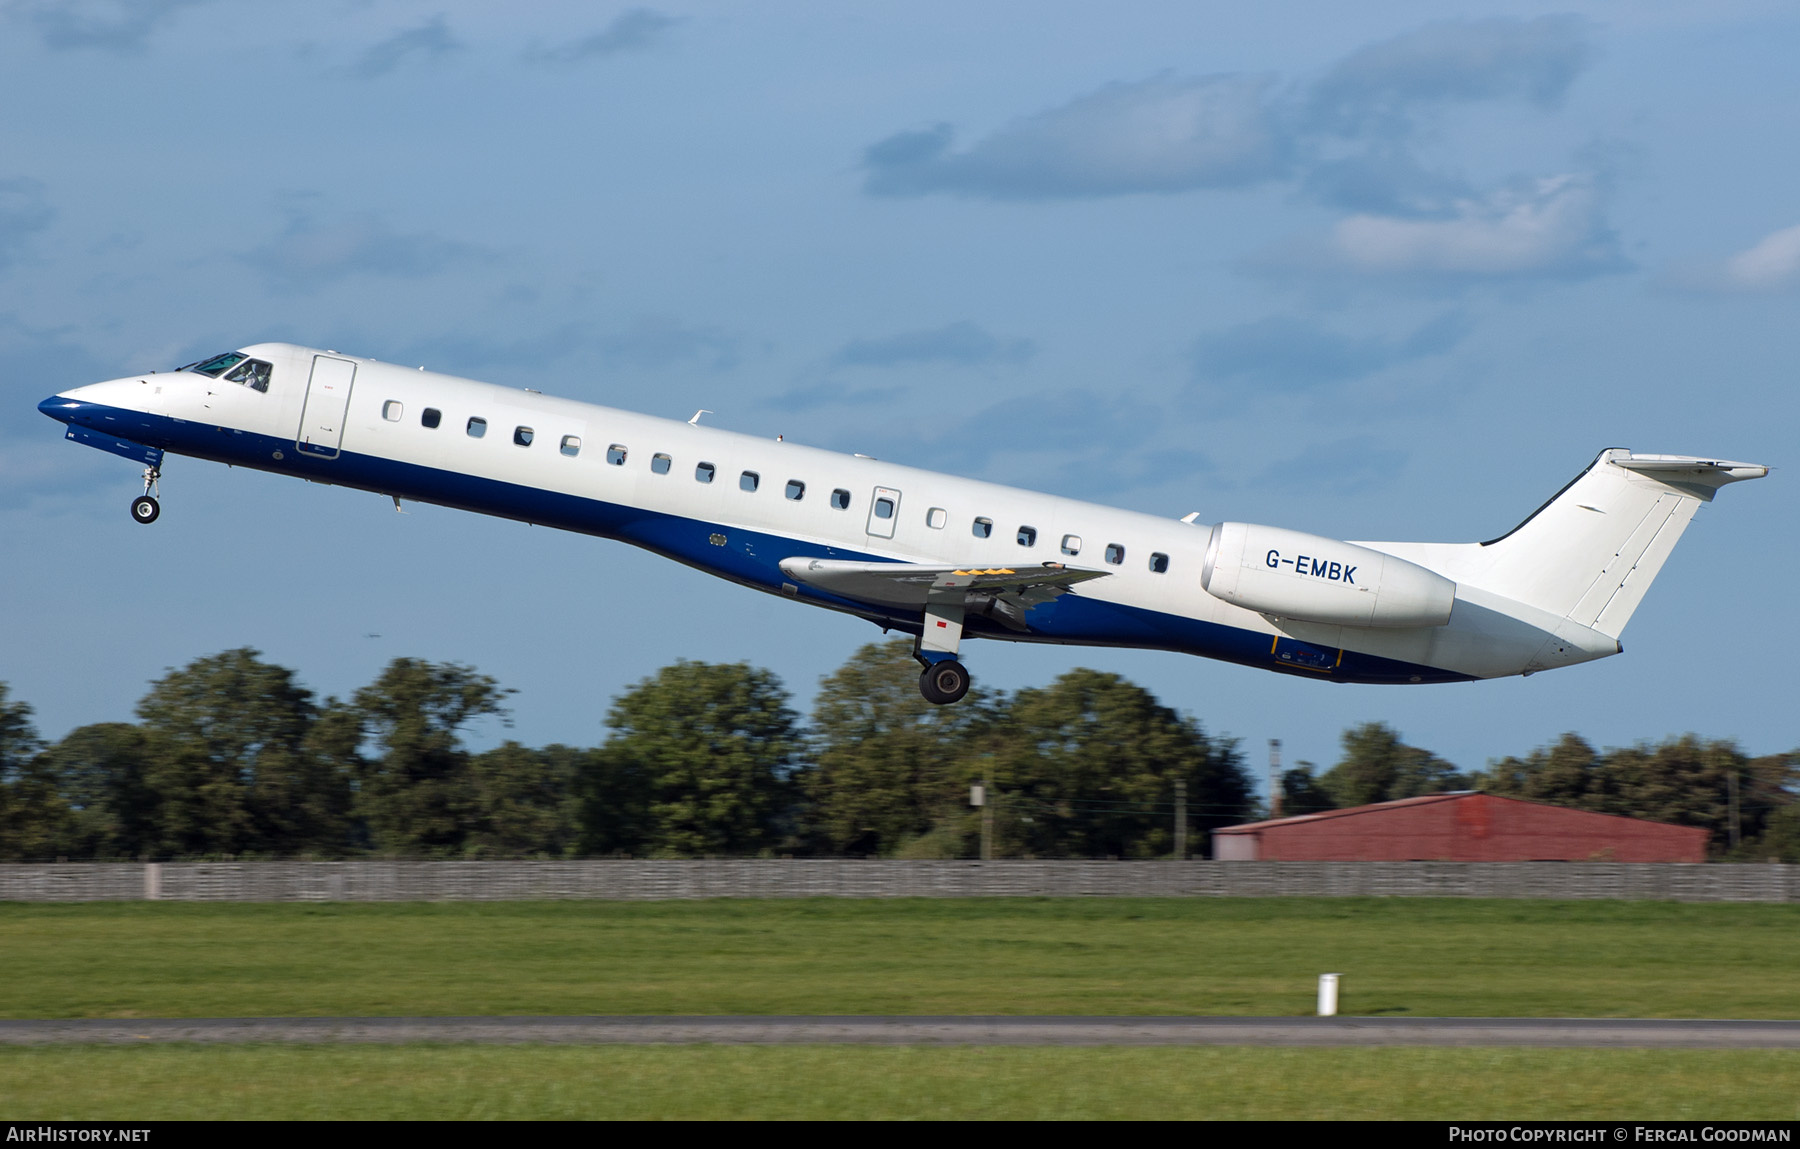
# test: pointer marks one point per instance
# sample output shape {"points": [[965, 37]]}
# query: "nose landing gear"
{"points": [[145, 508]]}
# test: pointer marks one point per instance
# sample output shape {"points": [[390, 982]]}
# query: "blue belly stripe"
{"points": [[748, 557]]}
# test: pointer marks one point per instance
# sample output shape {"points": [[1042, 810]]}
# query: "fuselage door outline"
{"points": [[884, 512], [327, 405]]}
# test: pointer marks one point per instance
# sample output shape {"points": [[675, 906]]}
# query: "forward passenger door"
{"points": [[327, 403]]}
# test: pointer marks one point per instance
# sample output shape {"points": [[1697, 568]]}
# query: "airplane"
{"points": [[932, 555]]}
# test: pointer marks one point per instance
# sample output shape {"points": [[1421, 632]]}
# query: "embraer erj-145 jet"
{"points": [[938, 557]]}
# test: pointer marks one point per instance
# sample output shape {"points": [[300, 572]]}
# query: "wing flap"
{"points": [[914, 585]]}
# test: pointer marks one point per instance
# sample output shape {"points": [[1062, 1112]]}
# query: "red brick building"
{"points": [[1461, 827]]}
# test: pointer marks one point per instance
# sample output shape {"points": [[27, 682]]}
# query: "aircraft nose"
{"points": [[61, 408]]}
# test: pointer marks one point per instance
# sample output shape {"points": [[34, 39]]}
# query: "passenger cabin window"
{"points": [[217, 365], [1159, 563], [523, 436], [571, 445], [1071, 544], [252, 373], [615, 455], [703, 473], [936, 517], [840, 500], [1115, 554], [1028, 536], [884, 508], [661, 464], [477, 426], [796, 490], [430, 417], [748, 481], [982, 528], [391, 411]]}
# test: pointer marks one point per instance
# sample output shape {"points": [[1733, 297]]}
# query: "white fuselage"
{"points": [[638, 478]]}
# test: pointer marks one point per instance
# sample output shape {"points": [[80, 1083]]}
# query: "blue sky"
{"points": [[1393, 270]]}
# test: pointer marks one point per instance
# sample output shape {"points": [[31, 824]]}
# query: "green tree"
{"points": [[1087, 768], [1684, 781], [415, 795], [892, 770], [1567, 774], [1378, 767], [34, 818], [104, 772], [613, 795], [1688, 781], [1769, 794], [1302, 794], [1781, 834], [234, 773], [524, 801], [718, 748]]}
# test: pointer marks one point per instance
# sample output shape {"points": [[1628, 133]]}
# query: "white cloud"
{"points": [[963, 343], [430, 40], [1380, 86], [1549, 227], [112, 25], [1773, 264], [24, 211], [1161, 135], [631, 31], [310, 252]]}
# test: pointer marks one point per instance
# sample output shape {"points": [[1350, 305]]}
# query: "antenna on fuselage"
{"points": [[695, 421]]}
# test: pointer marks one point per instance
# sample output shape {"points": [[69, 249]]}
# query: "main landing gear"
{"points": [[945, 680], [145, 508]]}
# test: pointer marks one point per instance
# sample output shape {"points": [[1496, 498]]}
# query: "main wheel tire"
{"points": [[944, 682], [145, 509]]}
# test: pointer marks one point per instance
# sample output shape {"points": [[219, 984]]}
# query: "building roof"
{"points": [[1426, 800]]}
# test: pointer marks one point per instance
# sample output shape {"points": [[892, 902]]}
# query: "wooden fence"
{"points": [[652, 880]]}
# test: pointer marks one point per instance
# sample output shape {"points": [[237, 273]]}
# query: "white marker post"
{"points": [[1328, 991]]}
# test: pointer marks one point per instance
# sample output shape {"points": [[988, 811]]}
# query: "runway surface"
{"points": [[857, 1030]]}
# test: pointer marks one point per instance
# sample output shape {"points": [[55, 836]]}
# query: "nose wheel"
{"points": [[145, 508], [944, 682]]}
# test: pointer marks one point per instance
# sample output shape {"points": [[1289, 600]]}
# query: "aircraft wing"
{"points": [[1001, 593]]}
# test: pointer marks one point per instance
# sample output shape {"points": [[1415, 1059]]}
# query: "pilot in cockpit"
{"points": [[252, 373]]}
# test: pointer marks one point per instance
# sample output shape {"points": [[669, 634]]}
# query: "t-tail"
{"points": [[1590, 553], [1578, 567]]}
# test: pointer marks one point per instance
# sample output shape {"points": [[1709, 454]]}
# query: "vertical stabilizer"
{"points": [[1590, 553]]}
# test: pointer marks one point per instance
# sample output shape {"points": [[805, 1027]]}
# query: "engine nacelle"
{"points": [[1290, 574]]}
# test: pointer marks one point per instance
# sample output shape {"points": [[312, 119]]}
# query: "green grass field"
{"points": [[883, 1082], [1095, 956], [1008, 956]]}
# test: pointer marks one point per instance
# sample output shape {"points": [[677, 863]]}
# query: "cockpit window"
{"points": [[252, 373], [218, 364]]}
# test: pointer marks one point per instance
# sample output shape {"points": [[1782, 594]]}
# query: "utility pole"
{"points": [[987, 825], [1181, 826], [982, 795], [1736, 835], [1274, 777]]}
